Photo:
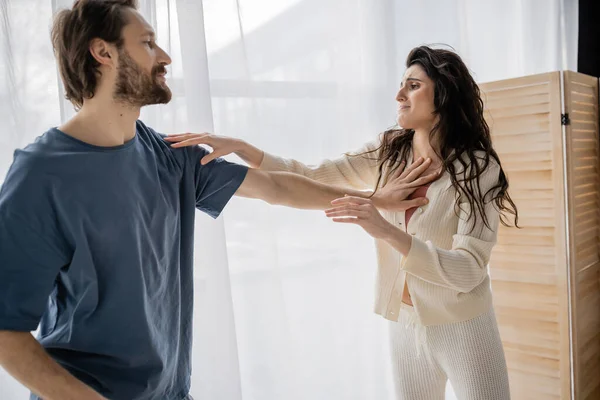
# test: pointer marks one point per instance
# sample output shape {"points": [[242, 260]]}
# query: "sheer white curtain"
{"points": [[311, 79], [284, 297], [32, 101], [29, 97]]}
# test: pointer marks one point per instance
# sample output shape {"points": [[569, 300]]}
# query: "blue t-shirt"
{"points": [[96, 245]]}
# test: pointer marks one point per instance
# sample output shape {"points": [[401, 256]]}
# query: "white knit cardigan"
{"points": [[447, 266]]}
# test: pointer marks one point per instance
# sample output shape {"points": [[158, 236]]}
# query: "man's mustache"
{"points": [[160, 69]]}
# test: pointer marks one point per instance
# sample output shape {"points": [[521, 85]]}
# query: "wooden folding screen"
{"points": [[546, 276]]}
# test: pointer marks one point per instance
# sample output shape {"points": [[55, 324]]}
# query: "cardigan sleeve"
{"points": [[464, 266], [355, 169]]}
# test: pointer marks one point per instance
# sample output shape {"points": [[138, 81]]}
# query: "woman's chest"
{"points": [[438, 216]]}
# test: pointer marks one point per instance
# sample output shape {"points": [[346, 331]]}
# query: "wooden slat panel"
{"points": [[532, 123], [588, 330], [506, 87], [504, 100], [526, 385], [528, 266], [525, 109], [583, 162]]}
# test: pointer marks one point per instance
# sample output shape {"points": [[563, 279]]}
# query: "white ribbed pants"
{"points": [[467, 353]]}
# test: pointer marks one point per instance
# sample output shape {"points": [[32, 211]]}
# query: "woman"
{"points": [[433, 282]]}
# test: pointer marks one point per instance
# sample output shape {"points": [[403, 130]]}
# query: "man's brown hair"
{"points": [[72, 32]]}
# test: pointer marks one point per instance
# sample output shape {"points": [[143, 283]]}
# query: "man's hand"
{"points": [[401, 184], [27, 361]]}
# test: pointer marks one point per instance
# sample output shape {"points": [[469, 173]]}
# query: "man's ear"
{"points": [[103, 52]]}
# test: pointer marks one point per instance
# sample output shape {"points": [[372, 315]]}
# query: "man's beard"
{"points": [[136, 88]]}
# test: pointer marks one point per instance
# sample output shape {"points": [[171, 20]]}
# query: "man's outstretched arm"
{"points": [[292, 190], [27, 361]]}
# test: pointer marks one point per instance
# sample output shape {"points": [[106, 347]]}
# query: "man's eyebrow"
{"points": [[148, 32]]}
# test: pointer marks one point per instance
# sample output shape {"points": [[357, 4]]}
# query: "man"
{"points": [[96, 223]]}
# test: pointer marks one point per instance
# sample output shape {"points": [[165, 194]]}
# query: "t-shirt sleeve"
{"points": [[32, 249], [216, 182], [29, 265]]}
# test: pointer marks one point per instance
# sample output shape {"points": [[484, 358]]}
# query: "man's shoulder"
{"points": [[27, 180], [146, 131], [157, 141], [40, 162], [37, 155], [152, 137]]}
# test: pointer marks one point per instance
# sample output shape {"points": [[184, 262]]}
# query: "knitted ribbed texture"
{"points": [[446, 268], [468, 353]]}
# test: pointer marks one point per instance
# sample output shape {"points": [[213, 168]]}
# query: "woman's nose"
{"points": [[401, 95]]}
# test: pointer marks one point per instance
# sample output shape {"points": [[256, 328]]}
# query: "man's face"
{"points": [[141, 69]]}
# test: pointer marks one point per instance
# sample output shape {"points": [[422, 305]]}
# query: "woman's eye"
{"points": [[414, 86], [150, 44]]}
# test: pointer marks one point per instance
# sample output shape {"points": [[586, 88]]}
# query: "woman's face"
{"points": [[415, 100]]}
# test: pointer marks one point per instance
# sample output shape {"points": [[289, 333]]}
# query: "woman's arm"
{"points": [[460, 268], [358, 169], [351, 172], [253, 156], [221, 145], [355, 170]]}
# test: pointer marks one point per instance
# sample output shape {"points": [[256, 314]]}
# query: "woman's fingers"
{"points": [[422, 181], [415, 164], [192, 142], [418, 202], [211, 156], [346, 220], [350, 199], [398, 171], [174, 137], [417, 171], [347, 213], [350, 210], [345, 207]]}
